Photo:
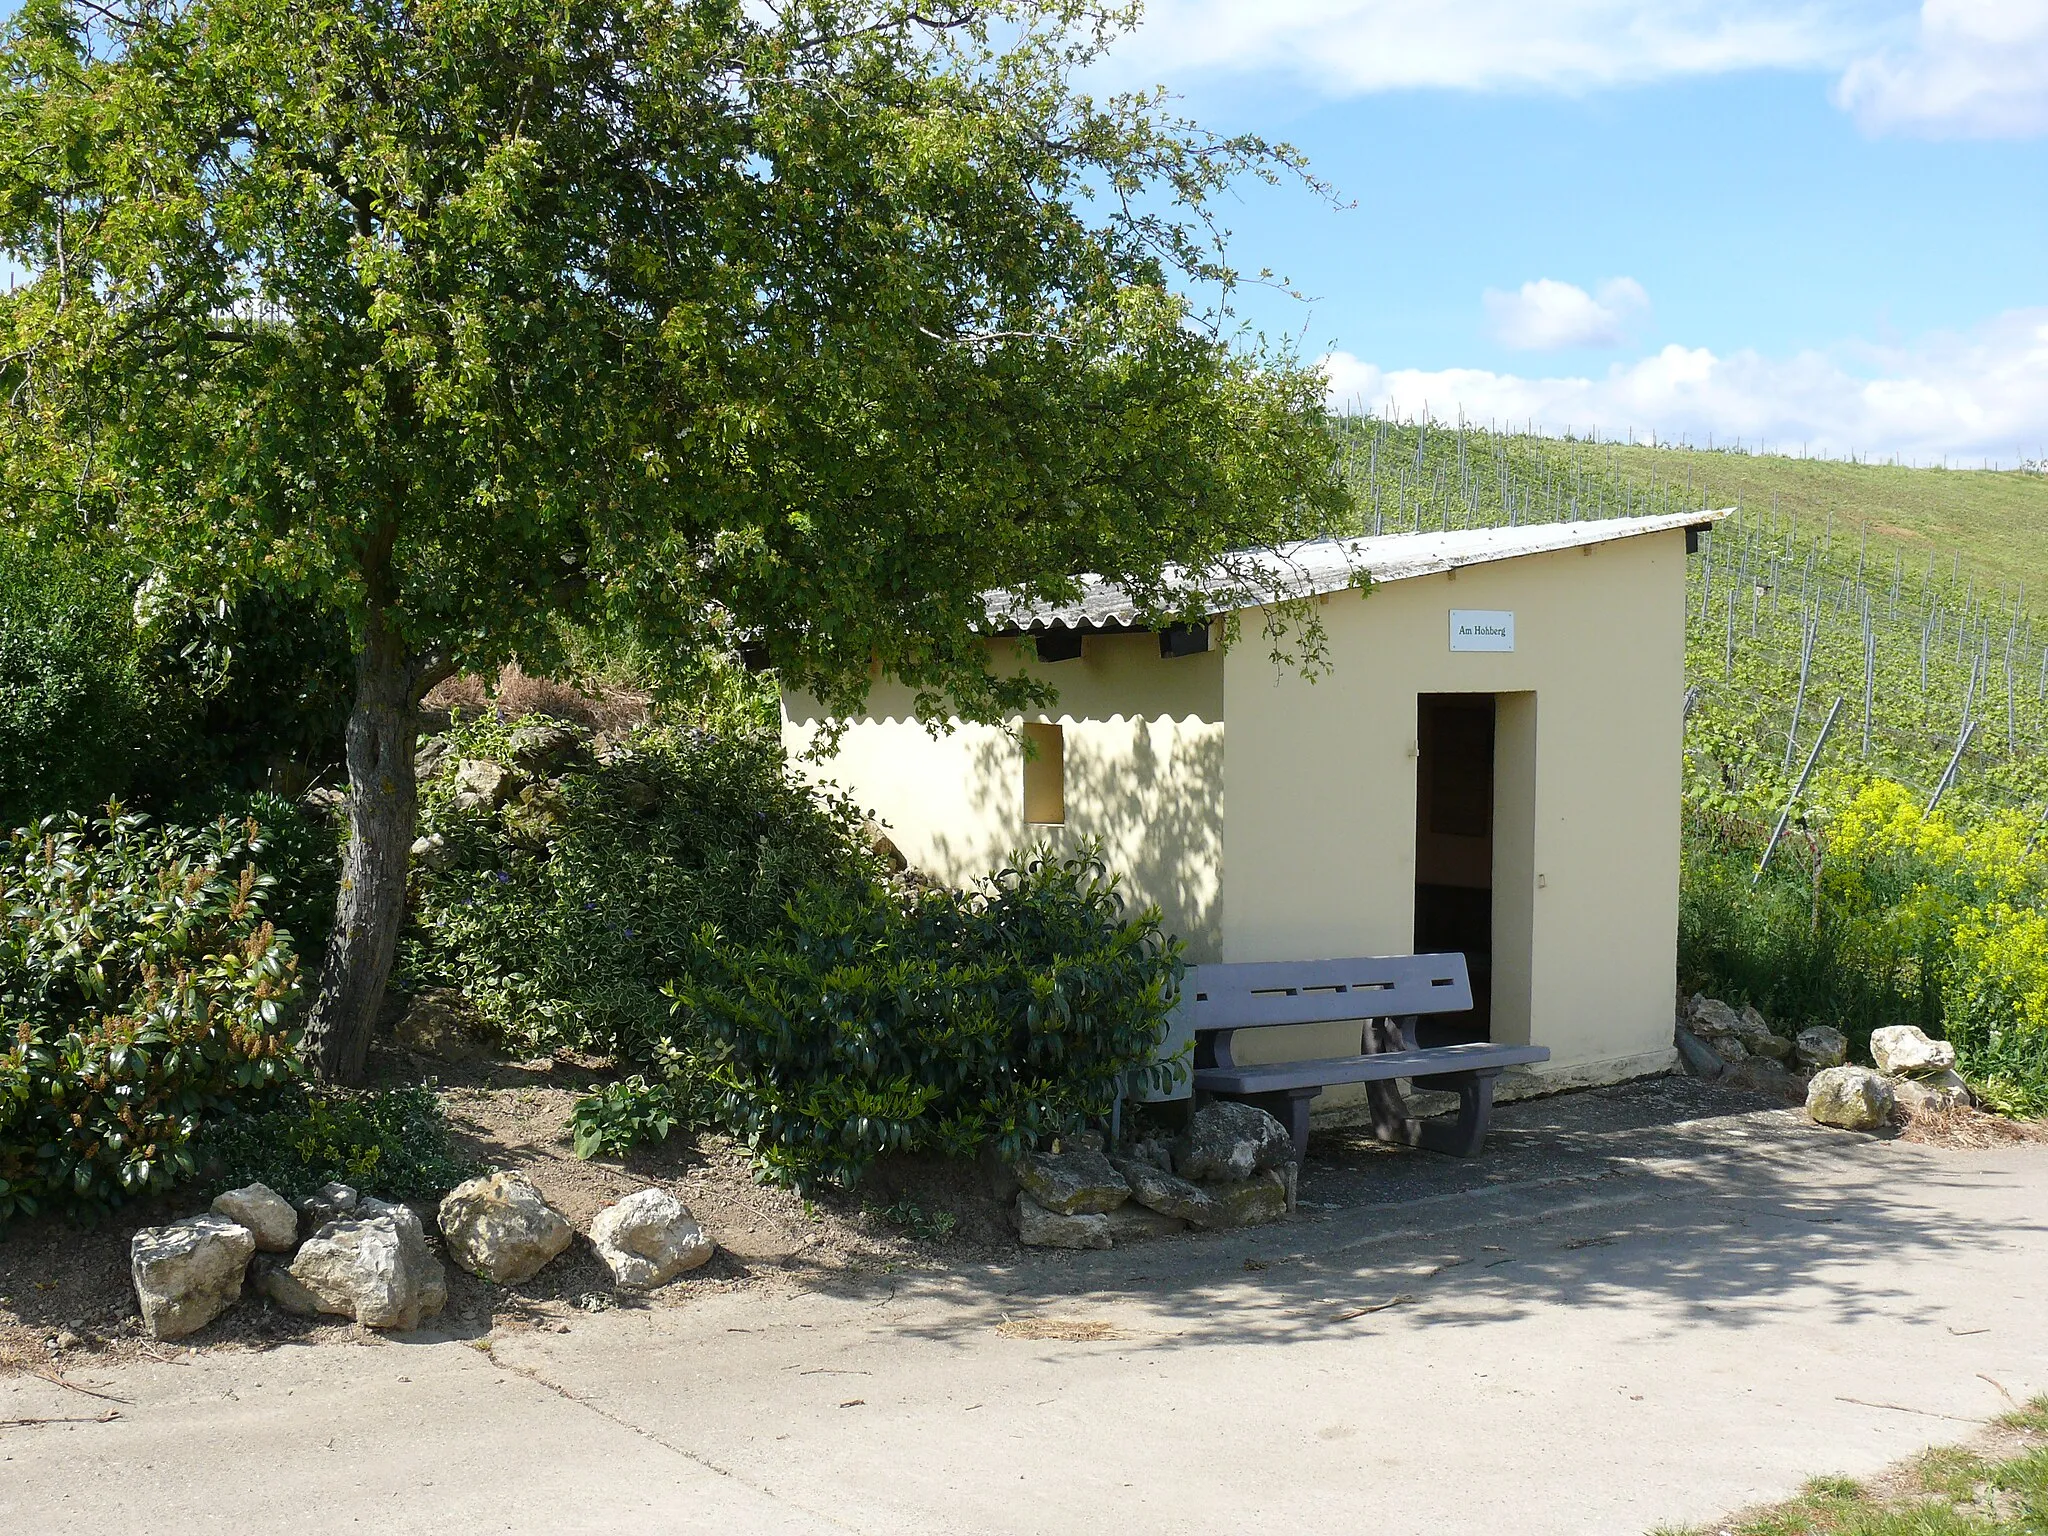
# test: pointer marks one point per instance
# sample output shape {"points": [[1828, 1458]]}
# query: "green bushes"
{"points": [[394, 1143], [562, 915], [142, 990], [75, 694], [115, 685], [614, 1119], [1872, 914], [936, 1024]]}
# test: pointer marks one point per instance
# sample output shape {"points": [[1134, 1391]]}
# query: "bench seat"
{"points": [[1435, 1061]]}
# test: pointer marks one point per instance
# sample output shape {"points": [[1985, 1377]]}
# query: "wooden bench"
{"points": [[1386, 995]]}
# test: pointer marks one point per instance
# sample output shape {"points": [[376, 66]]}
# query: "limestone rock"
{"points": [[535, 819], [1165, 1193], [1714, 1021], [1759, 1039], [1904, 1050], [649, 1238], [432, 753], [375, 1267], [481, 784], [1133, 1223], [271, 1277], [1229, 1140], [330, 1202], [1850, 1099], [188, 1273], [502, 1228], [431, 852], [1736, 1036], [325, 799], [1820, 1046], [1075, 1181], [1250, 1202], [883, 847], [1055, 1229], [439, 1024], [267, 1214], [1156, 1150], [544, 746], [1924, 1095]]}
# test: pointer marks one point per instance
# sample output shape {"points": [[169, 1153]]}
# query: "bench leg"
{"points": [[1467, 1135]]}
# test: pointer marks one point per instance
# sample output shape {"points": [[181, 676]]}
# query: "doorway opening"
{"points": [[1454, 833]]}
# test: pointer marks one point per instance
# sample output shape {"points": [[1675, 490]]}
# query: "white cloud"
{"points": [[1348, 47], [1977, 69], [1547, 315], [1965, 397]]}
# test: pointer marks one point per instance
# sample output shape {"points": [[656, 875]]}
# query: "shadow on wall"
{"points": [[1149, 791]]}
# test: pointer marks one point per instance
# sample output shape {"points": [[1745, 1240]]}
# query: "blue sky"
{"points": [[1813, 225]]}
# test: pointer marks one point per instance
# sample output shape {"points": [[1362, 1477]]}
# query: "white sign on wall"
{"points": [[1482, 629]]}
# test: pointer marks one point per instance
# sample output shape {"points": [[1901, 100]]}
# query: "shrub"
{"points": [[1875, 913], [1998, 1007], [394, 1143], [1008, 1014], [143, 990], [567, 937], [75, 693], [618, 1117], [115, 686]]}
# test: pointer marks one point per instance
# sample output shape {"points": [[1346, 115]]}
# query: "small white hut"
{"points": [[1489, 762]]}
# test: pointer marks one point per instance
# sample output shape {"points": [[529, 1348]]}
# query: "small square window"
{"points": [[1045, 774]]}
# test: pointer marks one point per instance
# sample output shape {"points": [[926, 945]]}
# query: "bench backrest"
{"points": [[1248, 994]]}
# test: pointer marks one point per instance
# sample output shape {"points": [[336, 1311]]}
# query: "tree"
{"points": [[801, 324]]}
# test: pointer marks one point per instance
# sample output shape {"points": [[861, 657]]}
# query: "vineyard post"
{"points": [[1948, 774], [2011, 728], [1792, 799], [1707, 574], [1812, 630], [1869, 670], [1729, 665]]}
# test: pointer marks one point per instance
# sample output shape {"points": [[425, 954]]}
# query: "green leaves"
{"points": [[676, 830], [621, 1116], [141, 989], [936, 1022], [395, 1143], [496, 310]]}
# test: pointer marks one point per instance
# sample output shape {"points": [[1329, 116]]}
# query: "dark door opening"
{"points": [[1454, 849]]}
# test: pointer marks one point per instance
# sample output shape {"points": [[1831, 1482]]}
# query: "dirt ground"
{"points": [[65, 1294]]}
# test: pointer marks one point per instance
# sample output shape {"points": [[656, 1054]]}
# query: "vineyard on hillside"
{"points": [[1923, 644], [1867, 698]]}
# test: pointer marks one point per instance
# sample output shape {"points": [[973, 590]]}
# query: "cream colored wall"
{"points": [[1144, 775], [1319, 847], [1317, 855]]}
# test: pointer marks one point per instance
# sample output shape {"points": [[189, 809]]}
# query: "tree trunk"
{"points": [[383, 807]]}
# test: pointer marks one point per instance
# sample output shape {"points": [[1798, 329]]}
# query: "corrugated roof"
{"points": [[1252, 578]]}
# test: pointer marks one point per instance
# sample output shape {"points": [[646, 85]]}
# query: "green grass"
{"points": [[1988, 525], [1947, 1491]]}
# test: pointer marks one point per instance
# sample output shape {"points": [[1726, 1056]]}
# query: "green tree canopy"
{"points": [[801, 323]]}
